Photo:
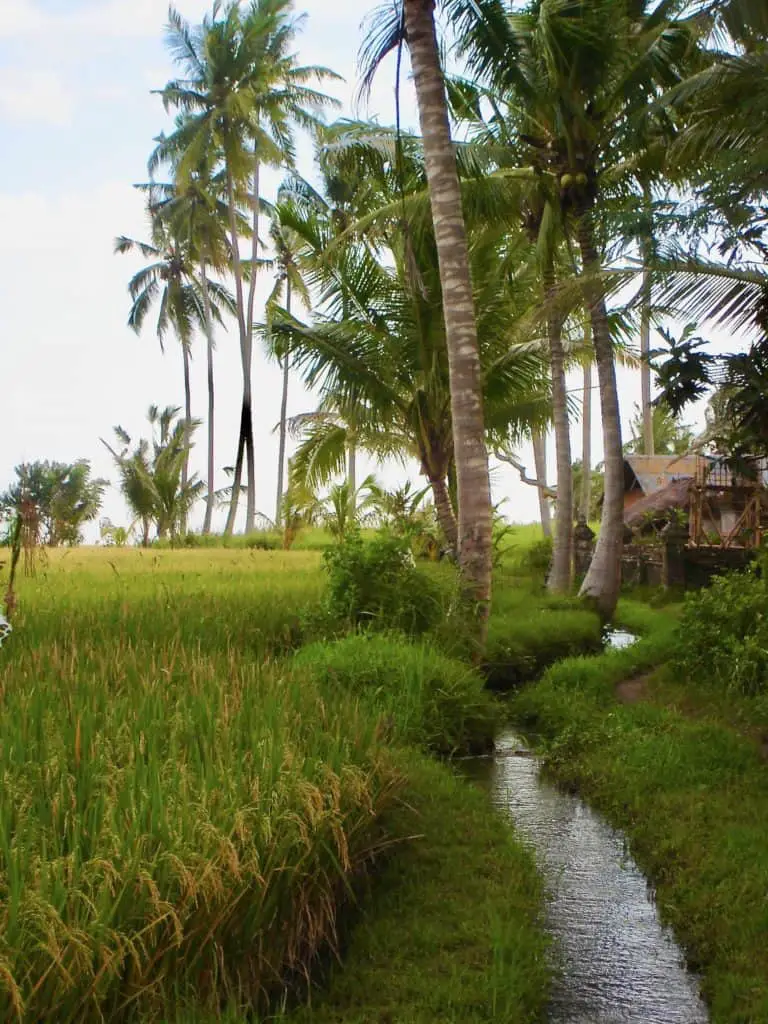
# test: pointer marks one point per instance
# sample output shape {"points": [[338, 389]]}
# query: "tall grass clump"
{"points": [[420, 695]]}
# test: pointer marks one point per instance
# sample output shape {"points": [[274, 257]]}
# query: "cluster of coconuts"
{"points": [[569, 180]]}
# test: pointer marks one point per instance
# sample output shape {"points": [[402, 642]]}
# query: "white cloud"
{"points": [[29, 95]]}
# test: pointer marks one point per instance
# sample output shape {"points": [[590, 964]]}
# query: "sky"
{"points": [[77, 120]]}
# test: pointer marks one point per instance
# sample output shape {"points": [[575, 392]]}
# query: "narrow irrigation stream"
{"points": [[616, 963]]}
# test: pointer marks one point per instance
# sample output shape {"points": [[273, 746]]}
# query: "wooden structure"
{"points": [[728, 507]]}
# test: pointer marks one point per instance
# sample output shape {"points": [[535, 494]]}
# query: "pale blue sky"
{"points": [[77, 121]]}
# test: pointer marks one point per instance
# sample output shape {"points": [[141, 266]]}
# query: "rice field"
{"points": [[181, 819]]}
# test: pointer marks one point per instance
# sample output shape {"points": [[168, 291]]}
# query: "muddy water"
{"points": [[616, 963]]}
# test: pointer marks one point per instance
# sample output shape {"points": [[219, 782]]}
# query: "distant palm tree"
{"points": [[290, 282], [197, 213], [152, 474], [241, 94]]}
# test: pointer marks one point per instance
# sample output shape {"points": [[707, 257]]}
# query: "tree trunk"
{"points": [[352, 475], [539, 442], [471, 454], [187, 429], [645, 328], [237, 271], [283, 419], [250, 454], [586, 442], [603, 580], [561, 571], [645, 366], [211, 498], [444, 511]]}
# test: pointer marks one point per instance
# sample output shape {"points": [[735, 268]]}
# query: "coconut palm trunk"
{"points": [[539, 442], [283, 418], [187, 424], [645, 365], [250, 454], [237, 271], [586, 441], [560, 575], [602, 582], [473, 480], [352, 474], [211, 497], [444, 510]]}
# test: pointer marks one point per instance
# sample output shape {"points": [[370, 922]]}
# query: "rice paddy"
{"points": [[191, 814]]}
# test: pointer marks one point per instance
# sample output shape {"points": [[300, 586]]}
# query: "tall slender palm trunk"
{"points": [[471, 454], [245, 444], [645, 366], [211, 497], [352, 474], [602, 582], [187, 427], [586, 441], [561, 570], [444, 510], [237, 272], [283, 419], [539, 443]]}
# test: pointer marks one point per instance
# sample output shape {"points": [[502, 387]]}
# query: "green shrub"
{"points": [[535, 558], [377, 585], [723, 634], [423, 696]]}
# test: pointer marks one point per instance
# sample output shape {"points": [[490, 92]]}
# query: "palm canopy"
{"points": [[376, 348], [241, 89]]}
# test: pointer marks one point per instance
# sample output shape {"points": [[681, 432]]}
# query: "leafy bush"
{"points": [[423, 696], [535, 558], [377, 585], [723, 634]]}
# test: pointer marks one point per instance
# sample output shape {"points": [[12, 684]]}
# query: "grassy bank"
{"points": [[194, 812], [687, 785]]}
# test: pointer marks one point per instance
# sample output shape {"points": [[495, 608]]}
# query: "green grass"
{"points": [[453, 933], [192, 812], [690, 791], [420, 696]]}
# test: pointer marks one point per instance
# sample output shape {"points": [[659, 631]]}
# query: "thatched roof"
{"points": [[676, 494], [651, 473]]}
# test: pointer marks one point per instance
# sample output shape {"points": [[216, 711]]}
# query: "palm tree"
{"points": [[289, 281], [591, 70], [415, 24], [168, 280], [152, 475], [242, 93], [197, 213], [376, 347]]}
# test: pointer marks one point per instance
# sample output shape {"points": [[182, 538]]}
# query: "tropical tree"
{"points": [[197, 213], [168, 281], [591, 69], [376, 347], [152, 473], [289, 282], [414, 24], [345, 510], [670, 436], [241, 94], [61, 497]]}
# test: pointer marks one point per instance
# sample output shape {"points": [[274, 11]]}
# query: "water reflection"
{"points": [[619, 966]]}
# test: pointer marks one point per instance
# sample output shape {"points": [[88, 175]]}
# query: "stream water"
{"points": [[616, 963]]}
